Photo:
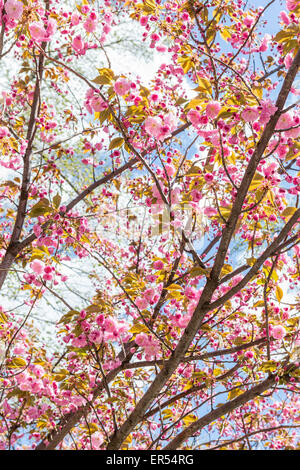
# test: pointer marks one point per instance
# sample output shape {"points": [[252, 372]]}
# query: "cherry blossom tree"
{"points": [[157, 218]]}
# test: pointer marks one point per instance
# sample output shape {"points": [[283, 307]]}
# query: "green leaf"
{"points": [[40, 208], [284, 35], [194, 171], [139, 328], [189, 419], [186, 63], [56, 201], [102, 80], [68, 316], [205, 328], [198, 271], [3, 318], [289, 45], [239, 340], [227, 269], [180, 101], [61, 375], [90, 428], [204, 86], [193, 103], [288, 211], [225, 34], [105, 77], [251, 261], [225, 212], [256, 182], [269, 366], [167, 414], [148, 6], [16, 362], [174, 287], [94, 308], [103, 116], [116, 143], [210, 36], [234, 393], [258, 91], [279, 293]]}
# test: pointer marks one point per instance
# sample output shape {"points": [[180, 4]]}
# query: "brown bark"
{"points": [[221, 411]]}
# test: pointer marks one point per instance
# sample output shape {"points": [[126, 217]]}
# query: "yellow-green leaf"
{"points": [[16, 362], [116, 143], [234, 393], [226, 269], [189, 419], [204, 86], [225, 34], [57, 201], [256, 182], [40, 208], [198, 271], [288, 212], [279, 293], [105, 77], [139, 328]]}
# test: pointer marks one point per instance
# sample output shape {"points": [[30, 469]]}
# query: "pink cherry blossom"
{"points": [[170, 170], [48, 276], [142, 303], [210, 211], [294, 133], [278, 332], [270, 170], [90, 25], [156, 192], [78, 44], [208, 177], [122, 86], [284, 121], [153, 126], [194, 116], [292, 4], [161, 127], [97, 440], [95, 336], [196, 195], [158, 265], [150, 294], [74, 19], [192, 293], [98, 104], [14, 9], [288, 60], [151, 345], [212, 109], [170, 119], [85, 9], [267, 109], [250, 114], [284, 17], [42, 32], [248, 21], [144, 20], [3, 132], [37, 266], [51, 27], [265, 43], [94, 102]]}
